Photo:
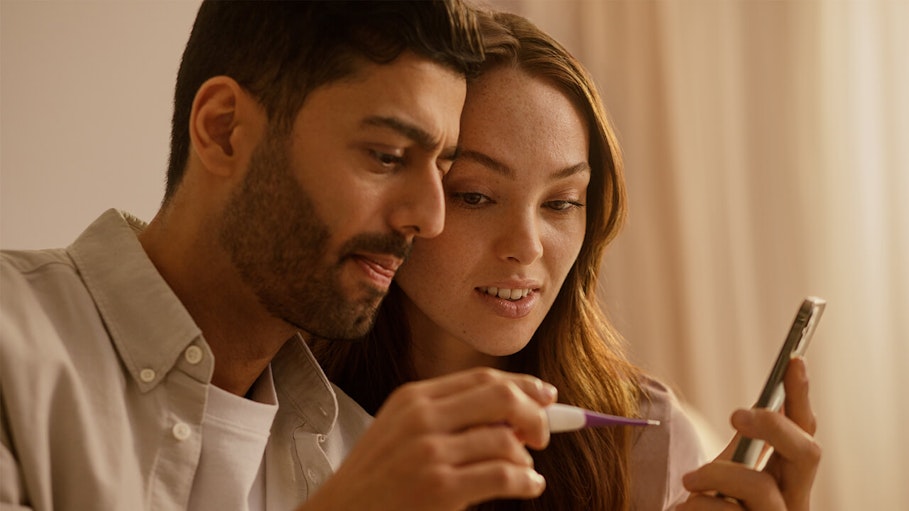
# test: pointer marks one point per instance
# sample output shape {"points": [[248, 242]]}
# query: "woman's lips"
{"points": [[502, 305], [508, 293]]}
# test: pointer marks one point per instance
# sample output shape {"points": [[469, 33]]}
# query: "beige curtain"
{"points": [[767, 152]]}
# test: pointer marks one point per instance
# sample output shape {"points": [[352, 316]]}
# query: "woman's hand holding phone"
{"points": [[785, 481], [738, 477]]}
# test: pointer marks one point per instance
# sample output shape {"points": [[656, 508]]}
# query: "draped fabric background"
{"points": [[767, 149], [767, 157]]}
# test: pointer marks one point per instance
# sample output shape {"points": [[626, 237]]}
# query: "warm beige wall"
{"points": [[85, 106]]}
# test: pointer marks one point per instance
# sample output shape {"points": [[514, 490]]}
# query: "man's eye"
{"points": [[387, 159]]}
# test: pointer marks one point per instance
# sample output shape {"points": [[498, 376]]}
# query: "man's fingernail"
{"points": [[537, 480], [550, 391], [544, 417]]}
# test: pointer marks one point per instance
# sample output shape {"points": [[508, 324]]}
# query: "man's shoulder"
{"points": [[29, 262], [32, 277], [29, 277]]}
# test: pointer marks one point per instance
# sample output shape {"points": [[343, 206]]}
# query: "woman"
{"points": [[533, 200]]}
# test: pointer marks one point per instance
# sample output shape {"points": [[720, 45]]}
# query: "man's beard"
{"points": [[279, 246]]}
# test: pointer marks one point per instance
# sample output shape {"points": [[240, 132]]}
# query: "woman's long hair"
{"points": [[575, 348]]}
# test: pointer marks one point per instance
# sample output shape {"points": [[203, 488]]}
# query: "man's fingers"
{"points": [[495, 480], [449, 442], [498, 403], [475, 445], [444, 386], [473, 398]]}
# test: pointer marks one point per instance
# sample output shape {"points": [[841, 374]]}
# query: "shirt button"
{"points": [[311, 475], [181, 431], [193, 354], [320, 438], [147, 375]]}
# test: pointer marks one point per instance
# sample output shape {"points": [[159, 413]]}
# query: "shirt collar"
{"points": [[301, 385], [147, 322], [151, 329]]}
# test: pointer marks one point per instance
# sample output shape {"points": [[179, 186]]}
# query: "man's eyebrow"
{"points": [[409, 130], [501, 168]]}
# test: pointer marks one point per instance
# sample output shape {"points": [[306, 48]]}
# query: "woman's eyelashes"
{"points": [[477, 199], [470, 199], [564, 205]]}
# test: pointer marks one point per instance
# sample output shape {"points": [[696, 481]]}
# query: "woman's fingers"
{"points": [[798, 404], [742, 487], [785, 483], [790, 442]]}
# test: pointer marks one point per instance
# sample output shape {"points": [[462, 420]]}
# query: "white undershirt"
{"points": [[231, 473]]}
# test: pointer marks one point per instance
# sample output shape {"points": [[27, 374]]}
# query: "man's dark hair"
{"points": [[280, 51]]}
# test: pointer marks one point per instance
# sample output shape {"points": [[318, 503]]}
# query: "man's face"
{"points": [[326, 214]]}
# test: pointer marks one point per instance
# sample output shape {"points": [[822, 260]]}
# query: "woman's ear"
{"points": [[224, 125]]}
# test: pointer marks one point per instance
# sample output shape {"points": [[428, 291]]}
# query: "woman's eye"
{"points": [[563, 205], [471, 198]]}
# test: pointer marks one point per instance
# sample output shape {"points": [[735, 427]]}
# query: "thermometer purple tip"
{"points": [[564, 417], [596, 420]]}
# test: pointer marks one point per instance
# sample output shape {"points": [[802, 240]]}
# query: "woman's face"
{"points": [[514, 225]]}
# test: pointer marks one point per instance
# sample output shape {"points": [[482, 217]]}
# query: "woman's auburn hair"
{"points": [[575, 348]]}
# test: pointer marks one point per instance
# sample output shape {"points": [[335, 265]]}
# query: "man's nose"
{"points": [[420, 210]]}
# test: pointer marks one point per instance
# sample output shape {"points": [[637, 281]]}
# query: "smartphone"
{"points": [[748, 450]]}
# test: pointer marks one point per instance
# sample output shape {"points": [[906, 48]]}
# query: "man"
{"points": [[160, 366]]}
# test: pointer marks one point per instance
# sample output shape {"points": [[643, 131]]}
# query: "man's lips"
{"points": [[381, 268], [384, 264]]}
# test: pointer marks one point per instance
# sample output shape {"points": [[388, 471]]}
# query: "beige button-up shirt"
{"points": [[104, 379]]}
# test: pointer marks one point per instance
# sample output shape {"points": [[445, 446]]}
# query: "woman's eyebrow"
{"points": [[503, 169], [487, 161], [577, 168]]}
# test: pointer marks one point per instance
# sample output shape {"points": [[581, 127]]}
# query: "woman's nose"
{"points": [[520, 240]]}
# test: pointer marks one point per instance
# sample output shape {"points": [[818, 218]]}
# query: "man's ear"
{"points": [[224, 126]]}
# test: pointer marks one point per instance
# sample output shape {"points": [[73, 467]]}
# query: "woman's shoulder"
{"points": [[661, 454]]}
